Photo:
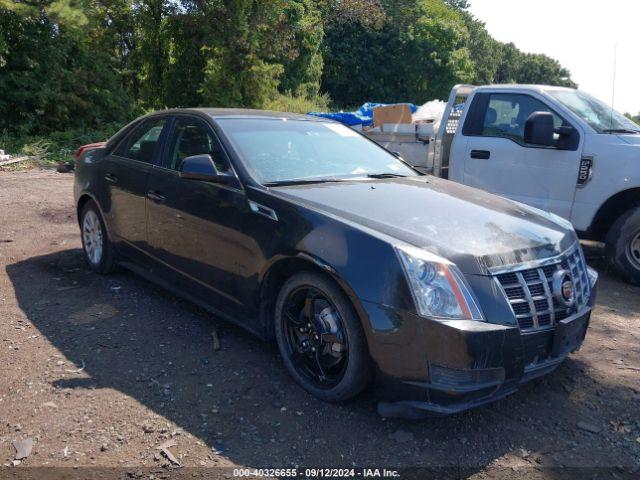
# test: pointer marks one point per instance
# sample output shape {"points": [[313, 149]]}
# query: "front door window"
{"points": [[192, 137], [506, 115]]}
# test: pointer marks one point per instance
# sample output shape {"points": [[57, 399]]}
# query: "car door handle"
{"points": [[110, 177], [155, 196], [481, 154]]}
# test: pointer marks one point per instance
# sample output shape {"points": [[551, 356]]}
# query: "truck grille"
{"points": [[530, 292]]}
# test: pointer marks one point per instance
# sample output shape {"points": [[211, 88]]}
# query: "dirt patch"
{"points": [[102, 370], [58, 215]]}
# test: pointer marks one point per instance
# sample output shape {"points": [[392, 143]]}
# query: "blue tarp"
{"points": [[363, 116]]}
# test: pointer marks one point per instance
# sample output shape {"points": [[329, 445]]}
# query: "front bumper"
{"points": [[459, 365]]}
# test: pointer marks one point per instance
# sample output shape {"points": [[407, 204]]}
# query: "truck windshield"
{"points": [[284, 150], [597, 114]]}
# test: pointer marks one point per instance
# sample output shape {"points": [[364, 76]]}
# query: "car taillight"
{"points": [[86, 147]]}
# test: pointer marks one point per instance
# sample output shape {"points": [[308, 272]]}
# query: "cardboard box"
{"points": [[399, 113]]}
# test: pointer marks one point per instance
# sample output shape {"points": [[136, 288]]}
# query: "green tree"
{"points": [[417, 53], [541, 69], [186, 42], [484, 51], [80, 64], [635, 118], [63, 12], [237, 70], [302, 57], [256, 49], [151, 56], [54, 74]]}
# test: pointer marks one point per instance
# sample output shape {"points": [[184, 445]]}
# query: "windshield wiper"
{"points": [[306, 181], [301, 181], [620, 130], [385, 175]]}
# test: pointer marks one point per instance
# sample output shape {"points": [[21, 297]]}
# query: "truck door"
{"points": [[497, 159]]}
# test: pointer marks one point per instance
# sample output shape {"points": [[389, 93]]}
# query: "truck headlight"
{"points": [[593, 276], [438, 287]]}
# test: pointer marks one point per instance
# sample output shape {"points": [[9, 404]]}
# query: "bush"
{"points": [[38, 150], [286, 102], [56, 146]]}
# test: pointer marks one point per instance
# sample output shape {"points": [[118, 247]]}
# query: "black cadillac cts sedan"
{"points": [[301, 230]]}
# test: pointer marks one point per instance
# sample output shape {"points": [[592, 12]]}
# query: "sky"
{"points": [[580, 34]]}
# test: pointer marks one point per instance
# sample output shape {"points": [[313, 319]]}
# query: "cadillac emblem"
{"points": [[563, 290]]}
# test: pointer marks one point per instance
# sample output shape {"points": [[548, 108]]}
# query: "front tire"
{"points": [[98, 250], [320, 338], [623, 246]]}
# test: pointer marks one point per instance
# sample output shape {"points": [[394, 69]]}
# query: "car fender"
{"points": [[85, 183], [83, 198], [345, 252]]}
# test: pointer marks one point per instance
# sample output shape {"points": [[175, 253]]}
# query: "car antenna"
{"points": [[613, 86]]}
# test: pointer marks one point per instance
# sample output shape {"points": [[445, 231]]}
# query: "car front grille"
{"points": [[529, 289]]}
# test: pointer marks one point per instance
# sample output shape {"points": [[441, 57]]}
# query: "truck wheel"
{"points": [[623, 246]]}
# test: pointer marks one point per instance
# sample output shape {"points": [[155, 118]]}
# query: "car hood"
{"points": [[472, 228]]}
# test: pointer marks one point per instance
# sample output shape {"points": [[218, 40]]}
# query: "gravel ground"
{"points": [[99, 371]]}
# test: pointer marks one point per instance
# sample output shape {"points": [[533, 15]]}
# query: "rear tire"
{"points": [[340, 367], [623, 246], [98, 250]]}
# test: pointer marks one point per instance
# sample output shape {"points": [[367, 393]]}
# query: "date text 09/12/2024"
{"points": [[316, 472]]}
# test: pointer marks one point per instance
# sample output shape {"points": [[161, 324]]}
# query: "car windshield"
{"points": [[597, 114], [284, 150]]}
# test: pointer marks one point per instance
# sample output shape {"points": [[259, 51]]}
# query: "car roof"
{"points": [[217, 113], [244, 113]]}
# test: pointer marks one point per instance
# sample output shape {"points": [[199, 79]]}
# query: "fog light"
{"points": [[456, 379]]}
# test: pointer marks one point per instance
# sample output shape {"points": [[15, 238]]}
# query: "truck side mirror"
{"points": [[565, 130], [538, 129]]}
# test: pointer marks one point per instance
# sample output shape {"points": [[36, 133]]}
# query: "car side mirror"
{"points": [[202, 167], [538, 129]]}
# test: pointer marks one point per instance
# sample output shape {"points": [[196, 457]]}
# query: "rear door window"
{"points": [[141, 144]]}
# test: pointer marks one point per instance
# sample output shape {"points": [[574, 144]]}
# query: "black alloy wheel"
{"points": [[315, 338], [320, 338]]}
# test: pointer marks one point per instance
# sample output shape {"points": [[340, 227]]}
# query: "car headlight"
{"points": [[438, 287]]}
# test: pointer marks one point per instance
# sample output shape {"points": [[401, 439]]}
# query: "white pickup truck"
{"points": [[557, 149]]}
